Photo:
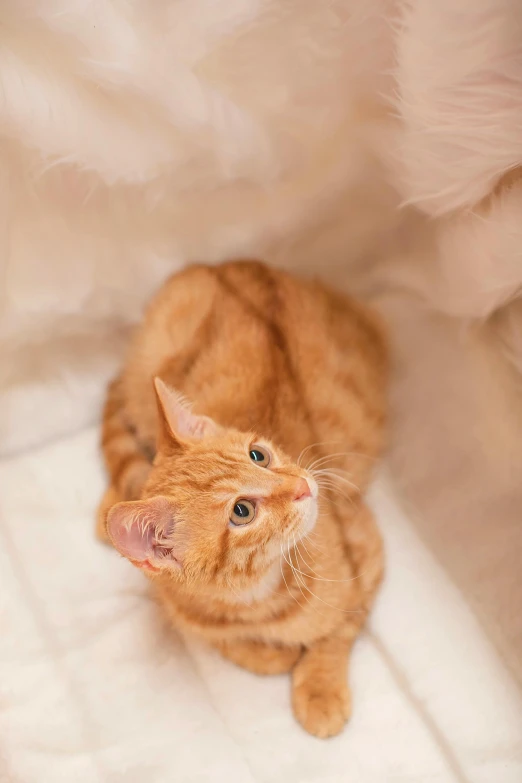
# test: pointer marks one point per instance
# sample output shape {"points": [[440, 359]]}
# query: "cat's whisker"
{"points": [[296, 551], [299, 579], [337, 501], [344, 611], [332, 606], [299, 555], [284, 577], [310, 592], [351, 579], [336, 489], [332, 469], [326, 479], [324, 459], [340, 492], [297, 570], [313, 446], [301, 583], [338, 472], [310, 554], [330, 473], [293, 568], [312, 542], [327, 457]]}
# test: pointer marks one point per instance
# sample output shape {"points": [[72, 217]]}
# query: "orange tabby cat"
{"points": [[273, 563]]}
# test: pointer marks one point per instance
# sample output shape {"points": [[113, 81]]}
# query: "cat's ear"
{"points": [[142, 531], [176, 418]]}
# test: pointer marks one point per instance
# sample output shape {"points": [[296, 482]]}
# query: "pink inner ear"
{"points": [[138, 528], [134, 540]]}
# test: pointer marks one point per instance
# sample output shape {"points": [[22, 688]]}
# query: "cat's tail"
{"points": [[127, 464]]}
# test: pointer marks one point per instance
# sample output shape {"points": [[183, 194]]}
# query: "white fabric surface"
{"points": [[96, 688], [138, 136]]}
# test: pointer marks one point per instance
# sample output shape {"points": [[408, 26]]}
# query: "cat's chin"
{"points": [[308, 511], [308, 520]]}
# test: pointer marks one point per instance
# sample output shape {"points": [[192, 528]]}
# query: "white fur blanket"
{"points": [[97, 689], [137, 136]]}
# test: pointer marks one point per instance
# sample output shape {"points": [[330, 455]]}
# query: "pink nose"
{"points": [[302, 490]]}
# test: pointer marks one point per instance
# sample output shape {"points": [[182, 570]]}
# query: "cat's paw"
{"points": [[261, 658], [320, 708]]}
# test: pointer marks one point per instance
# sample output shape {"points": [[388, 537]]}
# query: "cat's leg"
{"points": [[365, 546], [260, 658], [127, 463], [321, 697]]}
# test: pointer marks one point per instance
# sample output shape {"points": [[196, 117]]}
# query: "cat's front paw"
{"points": [[321, 706]]}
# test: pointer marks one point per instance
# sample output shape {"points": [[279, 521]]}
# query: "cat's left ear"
{"points": [[176, 418], [143, 531]]}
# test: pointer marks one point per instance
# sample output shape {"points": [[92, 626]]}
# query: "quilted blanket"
{"points": [[97, 688]]}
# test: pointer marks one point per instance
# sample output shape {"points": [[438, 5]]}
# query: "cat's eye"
{"points": [[243, 512], [260, 456]]}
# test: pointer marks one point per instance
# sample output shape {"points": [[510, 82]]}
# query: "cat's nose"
{"points": [[302, 490]]}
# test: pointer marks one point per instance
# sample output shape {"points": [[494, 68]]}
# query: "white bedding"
{"points": [[95, 688]]}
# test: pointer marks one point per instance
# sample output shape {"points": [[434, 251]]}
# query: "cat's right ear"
{"points": [[142, 531], [177, 423]]}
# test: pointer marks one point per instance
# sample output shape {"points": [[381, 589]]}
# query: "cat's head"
{"points": [[219, 505]]}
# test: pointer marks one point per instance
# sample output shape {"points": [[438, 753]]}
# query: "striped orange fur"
{"points": [[286, 382]]}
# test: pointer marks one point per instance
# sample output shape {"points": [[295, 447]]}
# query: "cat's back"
{"points": [[255, 347]]}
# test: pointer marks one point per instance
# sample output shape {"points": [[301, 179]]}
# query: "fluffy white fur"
{"points": [[378, 141], [138, 136], [459, 78]]}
